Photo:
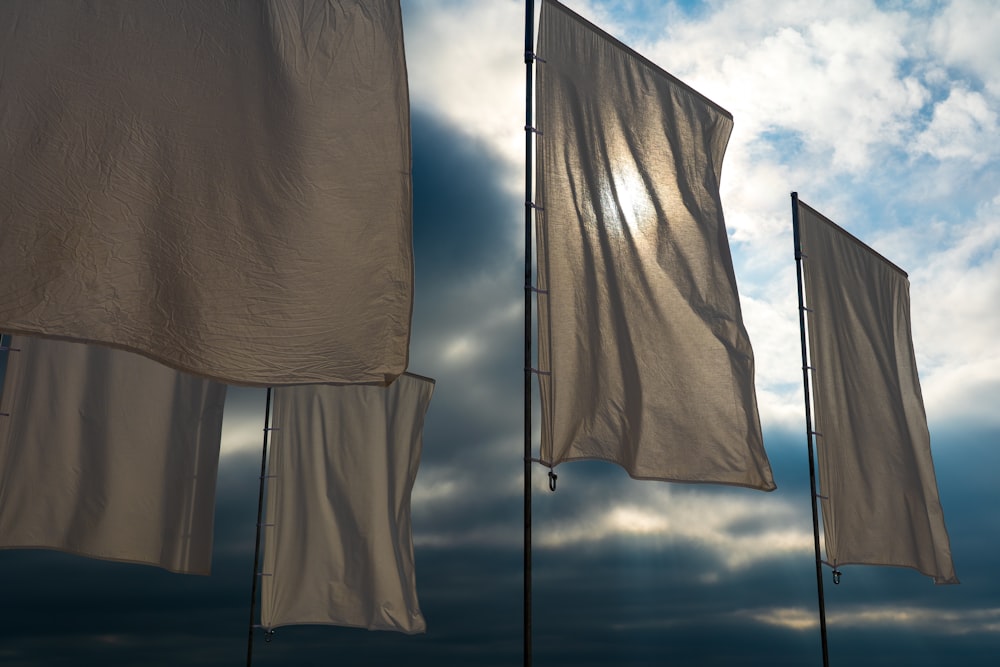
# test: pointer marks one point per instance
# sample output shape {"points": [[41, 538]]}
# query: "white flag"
{"points": [[878, 489], [221, 186], [338, 546], [639, 318], [107, 454]]}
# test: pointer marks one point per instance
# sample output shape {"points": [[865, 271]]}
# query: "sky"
{"points": [[883, 116]]}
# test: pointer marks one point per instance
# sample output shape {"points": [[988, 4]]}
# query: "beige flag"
{"points": [[224, 187], [108, 454], [338, 545], [878, 489], [639, 318]]}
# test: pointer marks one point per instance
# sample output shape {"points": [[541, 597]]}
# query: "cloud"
{"points": [[830, 74], [924, 619], [963, 36], [962, 127], [462, 59]]}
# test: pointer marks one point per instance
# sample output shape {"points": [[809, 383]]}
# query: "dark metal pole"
{"points": [[260, 517], [529, 47], [809, 428]]}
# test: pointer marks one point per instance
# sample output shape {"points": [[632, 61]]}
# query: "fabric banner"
{"points": [[224, 187], [338, 545], [107, 454], [879, 492], [639, 317]]}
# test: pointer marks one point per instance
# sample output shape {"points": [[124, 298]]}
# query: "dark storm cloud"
{"points": [[461, 217], [624, 601], [466, 275]]}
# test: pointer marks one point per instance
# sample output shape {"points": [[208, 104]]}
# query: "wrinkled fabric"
{"points": [[878, 488], [639, 325], [107, 454], [221, 186], [338, 543]]}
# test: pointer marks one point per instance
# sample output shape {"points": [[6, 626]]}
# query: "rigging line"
{"points": [[809, 429], [260, 515], [529, 38]]}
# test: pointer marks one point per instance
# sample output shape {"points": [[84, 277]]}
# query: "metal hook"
{"points": [[268, 636], [552, 480], [836, 576]]}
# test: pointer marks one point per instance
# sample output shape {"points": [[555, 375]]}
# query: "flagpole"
{"points": [[809, 428], [529, 47], [260, 518]]}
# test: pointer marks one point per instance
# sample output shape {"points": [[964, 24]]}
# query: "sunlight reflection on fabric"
{"points": [[625, 200]]}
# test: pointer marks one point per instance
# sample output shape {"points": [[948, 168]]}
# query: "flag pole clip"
{"points": [[268, 636], [552, 479], [836, 576]]}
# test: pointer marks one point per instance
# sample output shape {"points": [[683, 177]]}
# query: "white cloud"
{"points": [[925, 619], [462, 61], [964, 36], [963, 126], [707, 520], [828, 73]]}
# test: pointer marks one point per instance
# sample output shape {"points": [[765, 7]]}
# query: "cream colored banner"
{"points": [[224, 187], [108, 454], [878, 487], [338, 544], [640, 323]]}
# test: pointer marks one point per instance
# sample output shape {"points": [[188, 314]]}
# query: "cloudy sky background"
{"points": [[883, 116]]}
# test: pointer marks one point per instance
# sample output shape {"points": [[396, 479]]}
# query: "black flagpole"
{"points": [[529, 39], [260, 517], [809, 428]]}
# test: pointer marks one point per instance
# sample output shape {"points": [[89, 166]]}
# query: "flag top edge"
{"points": [[852, 237], [635, 54]]}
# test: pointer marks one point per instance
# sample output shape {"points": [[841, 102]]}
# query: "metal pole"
{"points": [[809, 428], [260, 516], [529, 47]]}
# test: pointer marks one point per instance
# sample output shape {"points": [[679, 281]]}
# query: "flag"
{"points": [[108, 454], [224, 187], [643, 354], [338, 545], [878, 489]]}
